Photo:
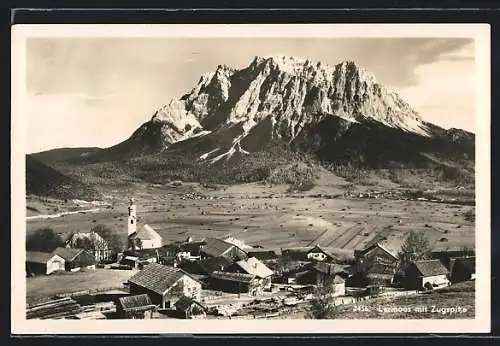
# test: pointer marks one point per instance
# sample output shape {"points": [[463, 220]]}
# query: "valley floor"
{"points": [[270, 217]]}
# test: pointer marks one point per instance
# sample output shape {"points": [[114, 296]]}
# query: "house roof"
{"points": [[388, 248], [146, 232], [67, 253], [209, 265], [238, 277], [216, 247], [39, 257], [185, 302], [318, 248], [158, 278], [134, 302], [255, 267], [467, 262], [430, 267]]}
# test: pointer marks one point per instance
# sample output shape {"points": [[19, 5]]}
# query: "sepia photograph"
{"points": [[301, 178]]}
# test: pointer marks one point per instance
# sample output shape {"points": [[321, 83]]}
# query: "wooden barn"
{"points": [[43, 263], [235, 283], [374, 265], [189, 308], [219, 248], [135, 307], [256, 268], [76, 259], [164, 285], [426, 275], [463, 269]]}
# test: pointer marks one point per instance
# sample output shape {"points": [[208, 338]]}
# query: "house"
{"points": [[164, 285], [319, 273], [145, 238], [463, 269], [426, 274], [375, 264], [291, 271], [43, 263], [139, 258], [207, 266], [319, 254], [256, 268], [135, 307], [235, 283], [446, 256], [190, 308], [214, 247], [76, 259], [100, 247]]}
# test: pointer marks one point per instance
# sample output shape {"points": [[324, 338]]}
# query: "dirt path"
{"points": [[51, 216]]}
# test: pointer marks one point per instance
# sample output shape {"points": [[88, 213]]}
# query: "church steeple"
{"points": [[132, 218]]}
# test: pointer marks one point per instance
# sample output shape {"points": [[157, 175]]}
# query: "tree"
{"points": [[44, 240], [416, 247], [323, 302], [115, 243], [84, 243]]}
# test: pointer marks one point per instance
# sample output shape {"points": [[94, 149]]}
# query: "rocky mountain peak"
{"points": [[279, 96]]}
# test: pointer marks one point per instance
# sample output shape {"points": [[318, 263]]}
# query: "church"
{"points": [[144, 237]]}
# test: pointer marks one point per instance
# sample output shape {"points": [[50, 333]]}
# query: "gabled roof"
{"points": [[69, 254], [318, 248], [146, 232], [381, 245], [430, 267], [134, 302], [39, 257], [158, 278], [185, 302], [255, 267], [216, 247], [238, 277]]}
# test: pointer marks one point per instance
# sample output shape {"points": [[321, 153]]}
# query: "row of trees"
{"points": [[47, 240]]}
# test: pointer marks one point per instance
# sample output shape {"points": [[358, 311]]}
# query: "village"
{"points": [[226, 278]]}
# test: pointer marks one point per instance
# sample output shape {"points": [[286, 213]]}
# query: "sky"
{"points": [[84, 92]]}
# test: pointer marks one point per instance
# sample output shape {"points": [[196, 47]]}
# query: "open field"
{"points": [[40, 287], [269, 217]]}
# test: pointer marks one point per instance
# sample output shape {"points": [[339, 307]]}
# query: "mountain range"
{"points": [[240, 124]]}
